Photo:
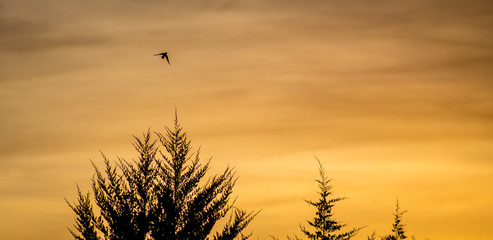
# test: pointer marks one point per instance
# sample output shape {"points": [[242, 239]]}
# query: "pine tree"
{"points": [[325, 227], [398, 232], [373, 236], [86, 221], [160, 196]]}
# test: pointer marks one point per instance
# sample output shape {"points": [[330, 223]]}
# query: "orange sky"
{"points": [[394, 97]]}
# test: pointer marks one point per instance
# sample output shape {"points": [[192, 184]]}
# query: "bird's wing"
{"points": [[167, 59]]}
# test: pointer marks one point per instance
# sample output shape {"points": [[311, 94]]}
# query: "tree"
{"points": [[373, 236], [160, 196], [325, 227], [398, 232], [85, 221]]}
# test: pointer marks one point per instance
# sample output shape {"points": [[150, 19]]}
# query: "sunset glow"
{"points": [[394, 97]]}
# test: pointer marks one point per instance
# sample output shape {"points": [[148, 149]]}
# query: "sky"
{"points": [[394, 97]]}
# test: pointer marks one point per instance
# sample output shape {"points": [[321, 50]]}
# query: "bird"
{"points": [[163, 55]]}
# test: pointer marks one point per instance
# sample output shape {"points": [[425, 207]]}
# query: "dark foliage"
{"points": [[85, 221], [159, 196], [398, 232], [325, 227]]}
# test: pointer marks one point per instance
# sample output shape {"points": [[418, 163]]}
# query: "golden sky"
{"points": [[394, 97]]}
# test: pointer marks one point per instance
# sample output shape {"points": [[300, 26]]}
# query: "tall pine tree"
{"points": [[86, 221], [160, 196], [324, 225]]}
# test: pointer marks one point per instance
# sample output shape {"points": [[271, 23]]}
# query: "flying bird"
{"points": [[163, 55]]}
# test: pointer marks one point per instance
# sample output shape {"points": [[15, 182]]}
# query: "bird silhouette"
{"points": [[163, 55]]}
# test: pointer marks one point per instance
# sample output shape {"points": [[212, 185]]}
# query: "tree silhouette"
{"points": [[85, 222], [373, 236], [325, 227], [398, 232], [160, 196]]}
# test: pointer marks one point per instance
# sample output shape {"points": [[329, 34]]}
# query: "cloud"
{"points": [[22, 36]]}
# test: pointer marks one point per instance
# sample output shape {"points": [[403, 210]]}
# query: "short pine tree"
{"points": [[373, 236], [325, 227], [160, 196], [398, 232]]}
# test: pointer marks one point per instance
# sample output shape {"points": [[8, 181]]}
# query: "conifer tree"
{"points": [[398, 232], [373, 236], [85, 221], [325, 227], [160, 196]]}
